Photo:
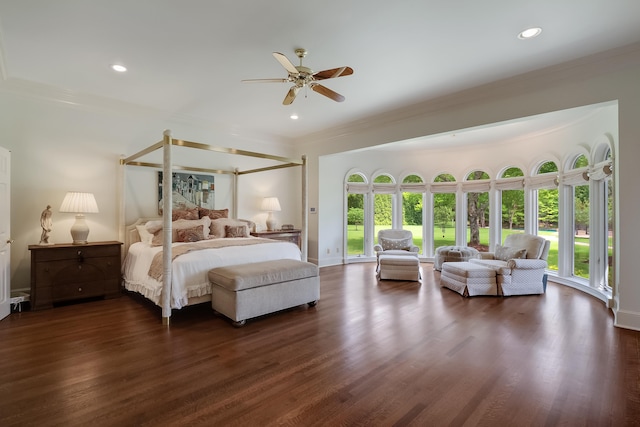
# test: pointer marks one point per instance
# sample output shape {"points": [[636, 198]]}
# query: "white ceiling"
{"points": [[187, 57]]}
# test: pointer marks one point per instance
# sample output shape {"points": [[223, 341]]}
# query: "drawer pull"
{"points": [[79, 289], [80, 267]]}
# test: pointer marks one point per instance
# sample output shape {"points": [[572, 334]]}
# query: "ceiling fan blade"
{"points": [[322, 90], [333, 73], [291, 95], [284, 61], [264, 81]]}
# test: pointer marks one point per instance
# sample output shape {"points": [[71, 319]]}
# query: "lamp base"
{"points": [[80, 231], [271, 222]]}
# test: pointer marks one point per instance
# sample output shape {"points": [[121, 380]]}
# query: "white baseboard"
{"points": [[627, 319]]}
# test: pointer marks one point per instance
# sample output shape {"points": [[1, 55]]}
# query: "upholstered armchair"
{"points": [[520, 264], [395, 241]]}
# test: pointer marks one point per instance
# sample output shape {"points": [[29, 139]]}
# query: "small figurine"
{"points": [[46, 224]]}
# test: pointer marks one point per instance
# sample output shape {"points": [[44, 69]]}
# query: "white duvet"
{"points": [[189, 271]]}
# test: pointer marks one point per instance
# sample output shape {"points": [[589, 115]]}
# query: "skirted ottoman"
{"points": [[453, 254], [469, 279], [399, 267], [243, 291]]}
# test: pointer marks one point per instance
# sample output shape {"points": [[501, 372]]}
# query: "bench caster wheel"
{"points": [[239, 323], [312, 303]]}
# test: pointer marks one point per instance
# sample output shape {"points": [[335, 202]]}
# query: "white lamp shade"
{"points": [[271, 204], [79, 203]]}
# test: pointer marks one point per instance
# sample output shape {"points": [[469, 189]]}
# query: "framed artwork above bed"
{"points": [[190, 190]]}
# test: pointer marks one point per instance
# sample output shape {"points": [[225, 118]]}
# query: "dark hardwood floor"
{"points": [[369, 354]]}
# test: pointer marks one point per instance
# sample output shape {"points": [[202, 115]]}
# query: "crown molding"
{"points": [[579, 69], [93, 103], [49, 93]]}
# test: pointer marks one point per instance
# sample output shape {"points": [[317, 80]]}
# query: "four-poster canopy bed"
{"points": [[160, 269]]}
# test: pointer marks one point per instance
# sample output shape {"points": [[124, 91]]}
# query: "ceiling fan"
{"points": [[302, 76]]}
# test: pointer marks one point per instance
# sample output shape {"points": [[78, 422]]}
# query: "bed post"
{"points": [[305, 209], [234, 201], [167, 204], [121, 202]]}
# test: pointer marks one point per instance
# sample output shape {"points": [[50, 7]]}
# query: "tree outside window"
{"points": [[412, 210], [478, 214], [444, 214]]}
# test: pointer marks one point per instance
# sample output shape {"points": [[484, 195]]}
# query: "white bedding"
{"points": [[189, 271]]}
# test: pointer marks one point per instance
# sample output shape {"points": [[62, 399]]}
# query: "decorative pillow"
{"points": [[217, 226], [177, 214], [182, 224], [158, 238], [250, 224], [235, 231], [213, 213], [153, 226], [193, 234], [394, 244], [145, 236], [505, 253]]}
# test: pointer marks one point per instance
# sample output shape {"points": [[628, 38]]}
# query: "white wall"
{"points": [[606, 77], [65, 146]]}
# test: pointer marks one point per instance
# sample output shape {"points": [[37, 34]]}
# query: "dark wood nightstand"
{"points": [[293, 236], [66, 272]]}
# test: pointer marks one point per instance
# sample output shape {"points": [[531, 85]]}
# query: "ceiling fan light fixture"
{"points": [[530, 33]]}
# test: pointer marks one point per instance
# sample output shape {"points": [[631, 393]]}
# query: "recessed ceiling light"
{"points": [[530, 33], [293, 117], [119, 68]]}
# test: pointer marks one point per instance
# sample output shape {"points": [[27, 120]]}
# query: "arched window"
{"points": [[444, 210], [383, 197], [601, 217], [511, 186], [413, 189], [357, 195], [545, 183], [608, 170], [581, 214], [477, 187]]}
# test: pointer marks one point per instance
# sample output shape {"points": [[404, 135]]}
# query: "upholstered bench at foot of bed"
{"points": [[469, 279], [243, 291]]}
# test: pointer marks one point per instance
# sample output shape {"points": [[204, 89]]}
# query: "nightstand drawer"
{"points": [[69, 291], [78, 252], [72, 271], [292, 236]]}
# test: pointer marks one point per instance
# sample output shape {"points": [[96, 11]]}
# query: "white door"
{"points": [[5, 233]]}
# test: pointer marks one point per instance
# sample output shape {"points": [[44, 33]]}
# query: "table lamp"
{"points": [[271, 204], [79, 203]]}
